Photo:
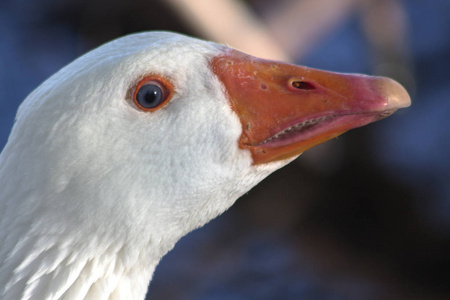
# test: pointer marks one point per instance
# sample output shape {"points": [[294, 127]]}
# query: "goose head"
{"points": [[128, 148]]}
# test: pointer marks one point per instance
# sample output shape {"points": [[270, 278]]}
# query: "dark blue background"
{"points": [[377, 222]]}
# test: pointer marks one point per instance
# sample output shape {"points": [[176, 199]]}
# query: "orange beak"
{"points": [[286, 109]]}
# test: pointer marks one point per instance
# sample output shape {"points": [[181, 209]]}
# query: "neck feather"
{"points": [[46, 267]]}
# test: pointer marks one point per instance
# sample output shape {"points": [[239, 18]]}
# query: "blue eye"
{"points": [[150, 95]]}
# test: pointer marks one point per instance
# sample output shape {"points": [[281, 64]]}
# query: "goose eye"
{"points": [[151, 95]]}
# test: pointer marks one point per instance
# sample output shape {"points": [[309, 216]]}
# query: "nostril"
{"points": [[302, 85]]}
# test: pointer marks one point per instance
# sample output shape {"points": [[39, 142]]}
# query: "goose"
{"points": [[133, 145]]}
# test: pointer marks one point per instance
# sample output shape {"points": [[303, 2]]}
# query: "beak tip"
{"points": [[395, 94]]}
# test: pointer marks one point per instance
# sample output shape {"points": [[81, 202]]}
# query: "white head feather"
{"points": [[94, 191]]}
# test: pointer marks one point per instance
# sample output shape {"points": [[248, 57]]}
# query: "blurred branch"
{"points": [[300, 25], [231, 22]]}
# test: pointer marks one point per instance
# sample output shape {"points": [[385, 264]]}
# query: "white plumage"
{"points": [[94, 191]]}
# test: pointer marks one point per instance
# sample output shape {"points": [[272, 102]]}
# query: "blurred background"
{"points": [[364, 216]]}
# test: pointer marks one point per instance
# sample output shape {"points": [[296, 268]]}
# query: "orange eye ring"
{"points": [[152, 93]]}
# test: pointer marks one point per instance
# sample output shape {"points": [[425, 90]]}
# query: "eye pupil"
{"points": [[152, 93], [149, 96]]}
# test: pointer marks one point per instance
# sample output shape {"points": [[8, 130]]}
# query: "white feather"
{"points": [[94, 191]]}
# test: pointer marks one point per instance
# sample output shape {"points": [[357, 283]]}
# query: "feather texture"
{"points": [[94, 191]]}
